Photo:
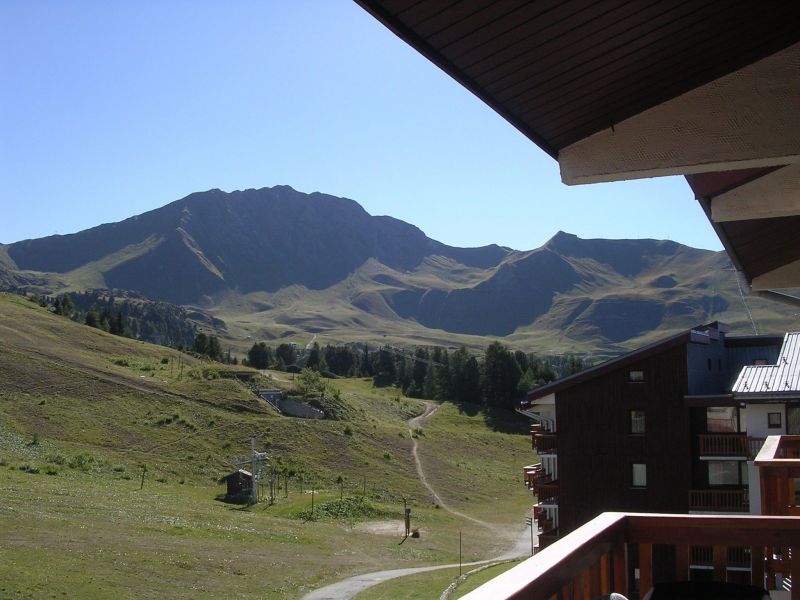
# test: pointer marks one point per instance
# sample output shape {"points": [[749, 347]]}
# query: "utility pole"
{"points": [[459, 553], [529, 522], [253, 488], [255, 465]]}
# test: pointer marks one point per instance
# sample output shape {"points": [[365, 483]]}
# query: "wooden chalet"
{"points": [[239, 486], [622, 89], [656, 430]]}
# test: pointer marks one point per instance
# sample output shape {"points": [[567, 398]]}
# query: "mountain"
{"points": [[275, 262]]}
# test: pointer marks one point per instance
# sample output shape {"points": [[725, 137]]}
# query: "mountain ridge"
{"points": [[277, 262]]}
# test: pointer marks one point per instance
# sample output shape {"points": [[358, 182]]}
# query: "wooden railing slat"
{"points": [[645, 568], [681, 562], [620, 574], [719, 563], [757, 565]]}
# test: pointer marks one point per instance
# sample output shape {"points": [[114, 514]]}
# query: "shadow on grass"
{"points": [[501, 420], [468, 408], [505, 421]]}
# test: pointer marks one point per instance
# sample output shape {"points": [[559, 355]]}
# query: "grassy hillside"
{"points": [[81, 411]]}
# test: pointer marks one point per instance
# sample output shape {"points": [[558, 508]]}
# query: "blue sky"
{"points": [[109, 109]]}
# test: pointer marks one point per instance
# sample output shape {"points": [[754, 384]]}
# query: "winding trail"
{"points": [[350, 587], [417, 422]]}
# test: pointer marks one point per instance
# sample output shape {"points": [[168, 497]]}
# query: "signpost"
{"points": [[529, 523]]}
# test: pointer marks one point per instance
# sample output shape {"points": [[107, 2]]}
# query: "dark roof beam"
{"points": [[733, 122]]}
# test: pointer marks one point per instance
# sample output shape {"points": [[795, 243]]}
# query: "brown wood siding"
{"points": [[596, 450]]}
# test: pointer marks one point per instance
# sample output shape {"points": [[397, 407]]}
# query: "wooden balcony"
{"points": [[545, 443], [530, 473], [723, 444], [539, 481], [778, 464], [547, 538], [754, 446], [725, 501], [593, 559], [703, 556], [547, 492]]}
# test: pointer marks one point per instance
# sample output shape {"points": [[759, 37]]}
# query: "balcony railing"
{"points": [[593, 559], [530, 473], [547, 538], [545, 443], [723, 444], [703, 556], [547, 492], [754, 446], [719, 500]]}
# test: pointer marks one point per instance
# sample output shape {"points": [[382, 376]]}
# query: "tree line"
{"points": [[151, 321], [499, 378]]}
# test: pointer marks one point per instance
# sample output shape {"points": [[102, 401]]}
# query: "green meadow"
{"points": [[111, 451]]}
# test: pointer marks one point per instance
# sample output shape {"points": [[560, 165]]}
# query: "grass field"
{"points": [[82, 411]]}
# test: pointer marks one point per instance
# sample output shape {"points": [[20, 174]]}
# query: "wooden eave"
{"points": [[694, 401], [562, 70], [755, 246]]}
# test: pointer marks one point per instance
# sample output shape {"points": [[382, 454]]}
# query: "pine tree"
{"points": [[500, 377], [92, 318]]}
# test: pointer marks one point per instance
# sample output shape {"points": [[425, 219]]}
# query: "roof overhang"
{"points": [[620, 90]]}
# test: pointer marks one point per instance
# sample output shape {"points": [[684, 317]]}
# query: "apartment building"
{"points": [[670, 428]]}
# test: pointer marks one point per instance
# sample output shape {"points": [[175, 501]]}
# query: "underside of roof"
{"points": [[563, 70], [621, 89]]}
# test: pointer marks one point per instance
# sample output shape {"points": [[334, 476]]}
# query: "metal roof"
{"points": [[780, 378]]}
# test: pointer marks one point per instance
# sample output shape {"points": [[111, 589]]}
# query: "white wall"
{"points": [[754, 418]]}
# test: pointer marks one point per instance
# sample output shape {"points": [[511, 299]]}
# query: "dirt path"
{"points": [[352, 586], [418, 422]]}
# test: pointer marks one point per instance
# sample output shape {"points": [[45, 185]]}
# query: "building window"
{"points": [[709, 364], [639, 475], [637, 421], [774, 420], [723, 472], [635, 376]]}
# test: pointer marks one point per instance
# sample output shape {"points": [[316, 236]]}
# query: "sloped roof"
{"points": [[684, 337], [561, 70], [780, 378]]}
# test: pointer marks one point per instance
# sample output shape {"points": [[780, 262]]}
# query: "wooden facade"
{"points": [[634, 435], [239, 486], [597, 449]]}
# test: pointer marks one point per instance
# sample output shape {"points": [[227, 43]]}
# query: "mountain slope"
{"points": [[253, 240], [276, 263]]}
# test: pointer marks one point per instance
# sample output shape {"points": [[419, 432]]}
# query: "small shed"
{"points": [[240, 485]]}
